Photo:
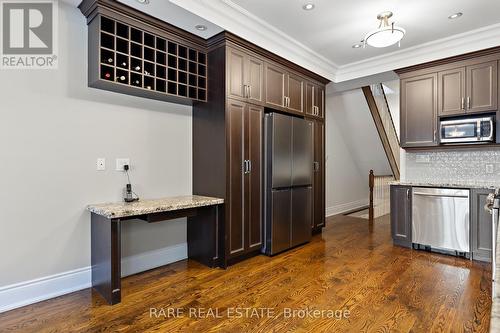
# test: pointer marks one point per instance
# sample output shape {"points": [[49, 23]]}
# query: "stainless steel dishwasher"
{"points": [[440, 219]]}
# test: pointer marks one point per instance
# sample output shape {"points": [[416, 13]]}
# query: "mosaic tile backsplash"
{"points": [[457, 166]]}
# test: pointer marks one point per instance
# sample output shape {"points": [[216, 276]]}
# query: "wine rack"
{"points": [[127, 59]]}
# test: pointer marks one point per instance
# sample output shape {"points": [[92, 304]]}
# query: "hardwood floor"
{"points": [[349, 267]]}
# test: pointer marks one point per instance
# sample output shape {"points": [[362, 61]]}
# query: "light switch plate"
{"points": [[101, 164], [120, 162]]}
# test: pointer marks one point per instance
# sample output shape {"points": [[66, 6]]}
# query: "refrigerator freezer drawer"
{"points": [[280, 223], [301, 215]]}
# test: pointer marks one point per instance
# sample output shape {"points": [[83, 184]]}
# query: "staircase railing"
{"points": [[379, 195], [379, 108]]}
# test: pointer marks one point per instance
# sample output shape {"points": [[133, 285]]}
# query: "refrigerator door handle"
{"points": [[245, 167], [249, 168]]}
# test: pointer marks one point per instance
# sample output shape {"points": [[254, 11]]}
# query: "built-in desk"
{"points": [[106, 219]]}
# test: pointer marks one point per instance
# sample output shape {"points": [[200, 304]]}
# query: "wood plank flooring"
{"points": [[349, 267]]}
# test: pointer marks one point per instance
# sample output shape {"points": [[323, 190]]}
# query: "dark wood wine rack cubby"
{"points": [[133, 60]]}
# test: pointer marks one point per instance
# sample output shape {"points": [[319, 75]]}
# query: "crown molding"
{"points": [[470, 41], [244, 24], [232, 17]]}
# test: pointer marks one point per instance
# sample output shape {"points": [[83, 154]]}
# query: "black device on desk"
{"points": [[129, 194]]}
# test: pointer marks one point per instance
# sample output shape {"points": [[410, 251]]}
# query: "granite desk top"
{"points": [[495, 306], [471, 184], [143, 207]]}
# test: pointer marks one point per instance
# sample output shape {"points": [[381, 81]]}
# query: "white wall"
{"points": [[353, 147], [52, 129]]}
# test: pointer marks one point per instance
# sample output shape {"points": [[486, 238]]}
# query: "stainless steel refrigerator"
{"points": [[288, 177]]}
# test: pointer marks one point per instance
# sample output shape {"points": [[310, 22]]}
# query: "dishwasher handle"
{"points": [[441, 195]]}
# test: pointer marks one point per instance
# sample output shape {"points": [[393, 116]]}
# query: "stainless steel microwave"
{"points": [[467, 130]]}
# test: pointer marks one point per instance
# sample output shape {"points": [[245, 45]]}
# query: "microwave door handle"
{"points": [[478, 130]]}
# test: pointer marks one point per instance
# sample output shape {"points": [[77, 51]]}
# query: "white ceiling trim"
{"points": [[234, 18], [241, 22], [469, 41]]}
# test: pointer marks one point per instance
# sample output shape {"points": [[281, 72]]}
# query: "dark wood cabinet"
{"points": [[245, 177], [451, 92], [275, 86], [319, 210], [482, 87], [294, 86], [480, 223], [468, 89], [401, 215], [314, 100], [419, 111], [245, 76], [228, 132]]}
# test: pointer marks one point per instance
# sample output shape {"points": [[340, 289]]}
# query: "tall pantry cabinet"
{"points": [[245, 82]]}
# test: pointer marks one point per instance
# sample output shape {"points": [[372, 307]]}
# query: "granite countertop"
{"points": [[142, 207], [471, 184]]}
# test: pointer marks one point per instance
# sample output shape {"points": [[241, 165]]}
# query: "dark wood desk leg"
{"points": [[106, 257]]}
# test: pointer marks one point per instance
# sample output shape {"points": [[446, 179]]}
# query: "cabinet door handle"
{"points": [[288, 102], [434, 135], [408, 193], [468, 102], [284, 101], [249, 91], [463, 103]]}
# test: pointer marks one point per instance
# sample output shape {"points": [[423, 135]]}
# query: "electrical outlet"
{"points": [[101, 164], [489, 168], [120, 162]]}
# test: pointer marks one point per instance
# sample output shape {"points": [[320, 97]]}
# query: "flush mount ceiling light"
{"points": [[143, 2], [357, 46], [308, 6], [201, 27], [386, 34], [456, 15]]}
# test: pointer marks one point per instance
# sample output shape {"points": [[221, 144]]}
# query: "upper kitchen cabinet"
{"points": [[451, 92], [482, 87], [314, 100], [419, 111], [245, 78], [468, 89], [284, 89]]}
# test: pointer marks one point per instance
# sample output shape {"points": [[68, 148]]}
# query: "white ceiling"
{"points": [[175, 15], [333, 26], [321, 40]]}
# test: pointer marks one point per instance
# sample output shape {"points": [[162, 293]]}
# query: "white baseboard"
{"points": [[345, 207], [20, 294]]}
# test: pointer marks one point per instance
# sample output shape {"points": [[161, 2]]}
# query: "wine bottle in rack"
{"points": [[107, 75], [110, 60], [122, 78], [137, 82], [137, 68], [124, 64]]}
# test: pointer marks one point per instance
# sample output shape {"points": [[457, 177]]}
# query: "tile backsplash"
{"points": [[454, 166]]}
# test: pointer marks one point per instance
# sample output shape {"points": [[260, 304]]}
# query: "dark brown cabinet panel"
{"points": [[245, 177], [245, 78], [481, 231], [451, 92], [295, 93], [482, 87], [253, 177], [319, 100], [255, 79], [236, 73], [401, 215], [275, 86], [319, 210], [236, 205], [419, 111]]}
